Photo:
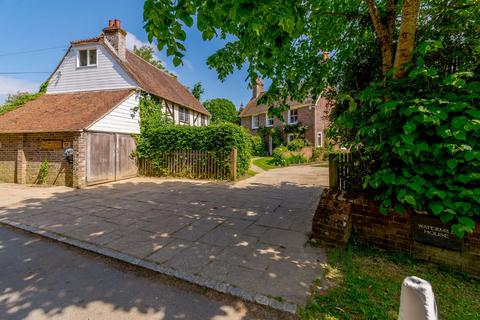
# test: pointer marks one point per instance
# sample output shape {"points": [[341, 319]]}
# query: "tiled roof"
{"points": [[62, 112], [153, 80], [253, 107], [159, 83], [89, 40]]}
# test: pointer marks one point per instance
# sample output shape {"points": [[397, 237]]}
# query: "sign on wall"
{"points": [[51, 144], [430, 230]]}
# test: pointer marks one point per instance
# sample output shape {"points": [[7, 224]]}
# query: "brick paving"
{"points": [[250, 235]]}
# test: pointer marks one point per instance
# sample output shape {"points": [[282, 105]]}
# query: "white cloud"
{"points": [[13, 85], [187, 63], [132, 40]]}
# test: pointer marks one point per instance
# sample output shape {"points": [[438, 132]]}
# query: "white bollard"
{"points": [[417, 301]]}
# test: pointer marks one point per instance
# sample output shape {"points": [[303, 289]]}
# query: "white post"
{"points": [[417, 301]]}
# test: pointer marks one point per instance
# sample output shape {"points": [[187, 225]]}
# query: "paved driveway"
{"points": [[42, 280], [249, 236]]}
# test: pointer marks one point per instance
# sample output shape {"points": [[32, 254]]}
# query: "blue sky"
{"points": [[32, 24]]}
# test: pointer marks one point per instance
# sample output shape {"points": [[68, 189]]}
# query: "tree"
{"points": [[405, 76], [284, 41], [198, 90], [222, 110], [146, 53]]}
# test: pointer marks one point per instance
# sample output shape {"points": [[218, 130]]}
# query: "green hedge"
{"points": [[220, 139], [258, 146]]}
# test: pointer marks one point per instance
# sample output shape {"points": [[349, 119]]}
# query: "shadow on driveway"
{"points": [[250, 235]]}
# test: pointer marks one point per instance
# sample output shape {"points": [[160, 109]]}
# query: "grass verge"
{"points": [[368, 284], [263, 163]]}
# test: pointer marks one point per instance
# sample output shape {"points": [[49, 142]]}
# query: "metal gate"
{"points": [[109, 157]]}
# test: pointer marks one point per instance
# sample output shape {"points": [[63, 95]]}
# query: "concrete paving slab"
{"points": [[246, 238]]}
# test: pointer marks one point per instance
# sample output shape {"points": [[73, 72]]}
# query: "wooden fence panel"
{"points": [[191, 164]]}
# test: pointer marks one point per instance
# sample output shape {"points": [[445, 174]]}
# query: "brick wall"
{"points": [[21, 156], [8, 157], [338, 217]]}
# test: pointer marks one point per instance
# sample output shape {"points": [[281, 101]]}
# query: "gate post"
{"points": [[233, 164], [332, 172]]}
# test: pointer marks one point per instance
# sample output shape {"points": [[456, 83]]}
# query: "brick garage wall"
{"points": [[8, 157], [21, 156], [338, 217]]}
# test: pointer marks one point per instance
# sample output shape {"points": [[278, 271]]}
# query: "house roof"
{"points": [[62, 112], [159, 83], [253, 108]]}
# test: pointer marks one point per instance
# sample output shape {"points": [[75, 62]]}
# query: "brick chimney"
{"points": [[116, 36], [257, 89]]}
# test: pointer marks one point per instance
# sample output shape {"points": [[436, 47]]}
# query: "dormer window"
{"points": [[87, 57]]}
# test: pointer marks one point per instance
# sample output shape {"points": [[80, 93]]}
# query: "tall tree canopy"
{"points": [[222, 110], [198, 90], [147, 54], [404, 75]]}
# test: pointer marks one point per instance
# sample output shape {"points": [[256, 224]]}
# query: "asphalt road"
{"points": [[42, 279]]}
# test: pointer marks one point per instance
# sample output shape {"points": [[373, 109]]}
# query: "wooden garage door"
{"points": [[109, 157]]}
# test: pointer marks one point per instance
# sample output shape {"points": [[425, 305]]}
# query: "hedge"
{"points": [[220, 139]]}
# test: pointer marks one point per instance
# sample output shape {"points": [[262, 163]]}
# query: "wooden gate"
{"points": [[109, 157]]}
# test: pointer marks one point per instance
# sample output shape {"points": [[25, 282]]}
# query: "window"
{"points": [[293, 116], [320, 139], [203, 120], [184, 115], [255, 122], [87, 57], [268, 120], [290, 137]]}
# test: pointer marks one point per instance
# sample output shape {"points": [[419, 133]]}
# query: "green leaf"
{"points": [[409, 127], [467, 222], [177, 61], [436, 208], [459, 122], [410, 200], [460, 134], [452, 163]]}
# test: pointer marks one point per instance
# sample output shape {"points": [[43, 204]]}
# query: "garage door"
{"points": [[109, 157]]}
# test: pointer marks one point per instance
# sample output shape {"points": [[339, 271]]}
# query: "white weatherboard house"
{"points": [[90, 109]]}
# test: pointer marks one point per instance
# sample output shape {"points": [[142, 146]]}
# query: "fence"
{"points": [[348, 170], [192, 164]]}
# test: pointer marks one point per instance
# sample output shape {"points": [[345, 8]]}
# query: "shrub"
{"points": [[258, 146], [296, 145], [220, 139], [424, 133], [296, 159], [42, 177], [277, 156]]}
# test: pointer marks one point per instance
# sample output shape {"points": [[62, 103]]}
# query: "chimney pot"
{"points": [[116, 36]]}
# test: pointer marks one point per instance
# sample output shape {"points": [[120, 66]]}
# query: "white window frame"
{"points": [[183, 115], [320, 139], [290, 116], [268, 120], [255, 124], [290, 137], [203, 121], [89, 65]]}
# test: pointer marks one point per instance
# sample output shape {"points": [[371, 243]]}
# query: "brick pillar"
{"points": [[79, 160], [21, 163]]}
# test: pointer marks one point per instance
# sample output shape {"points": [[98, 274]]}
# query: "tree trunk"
{"points": [[406, 38], [384, 37]]}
